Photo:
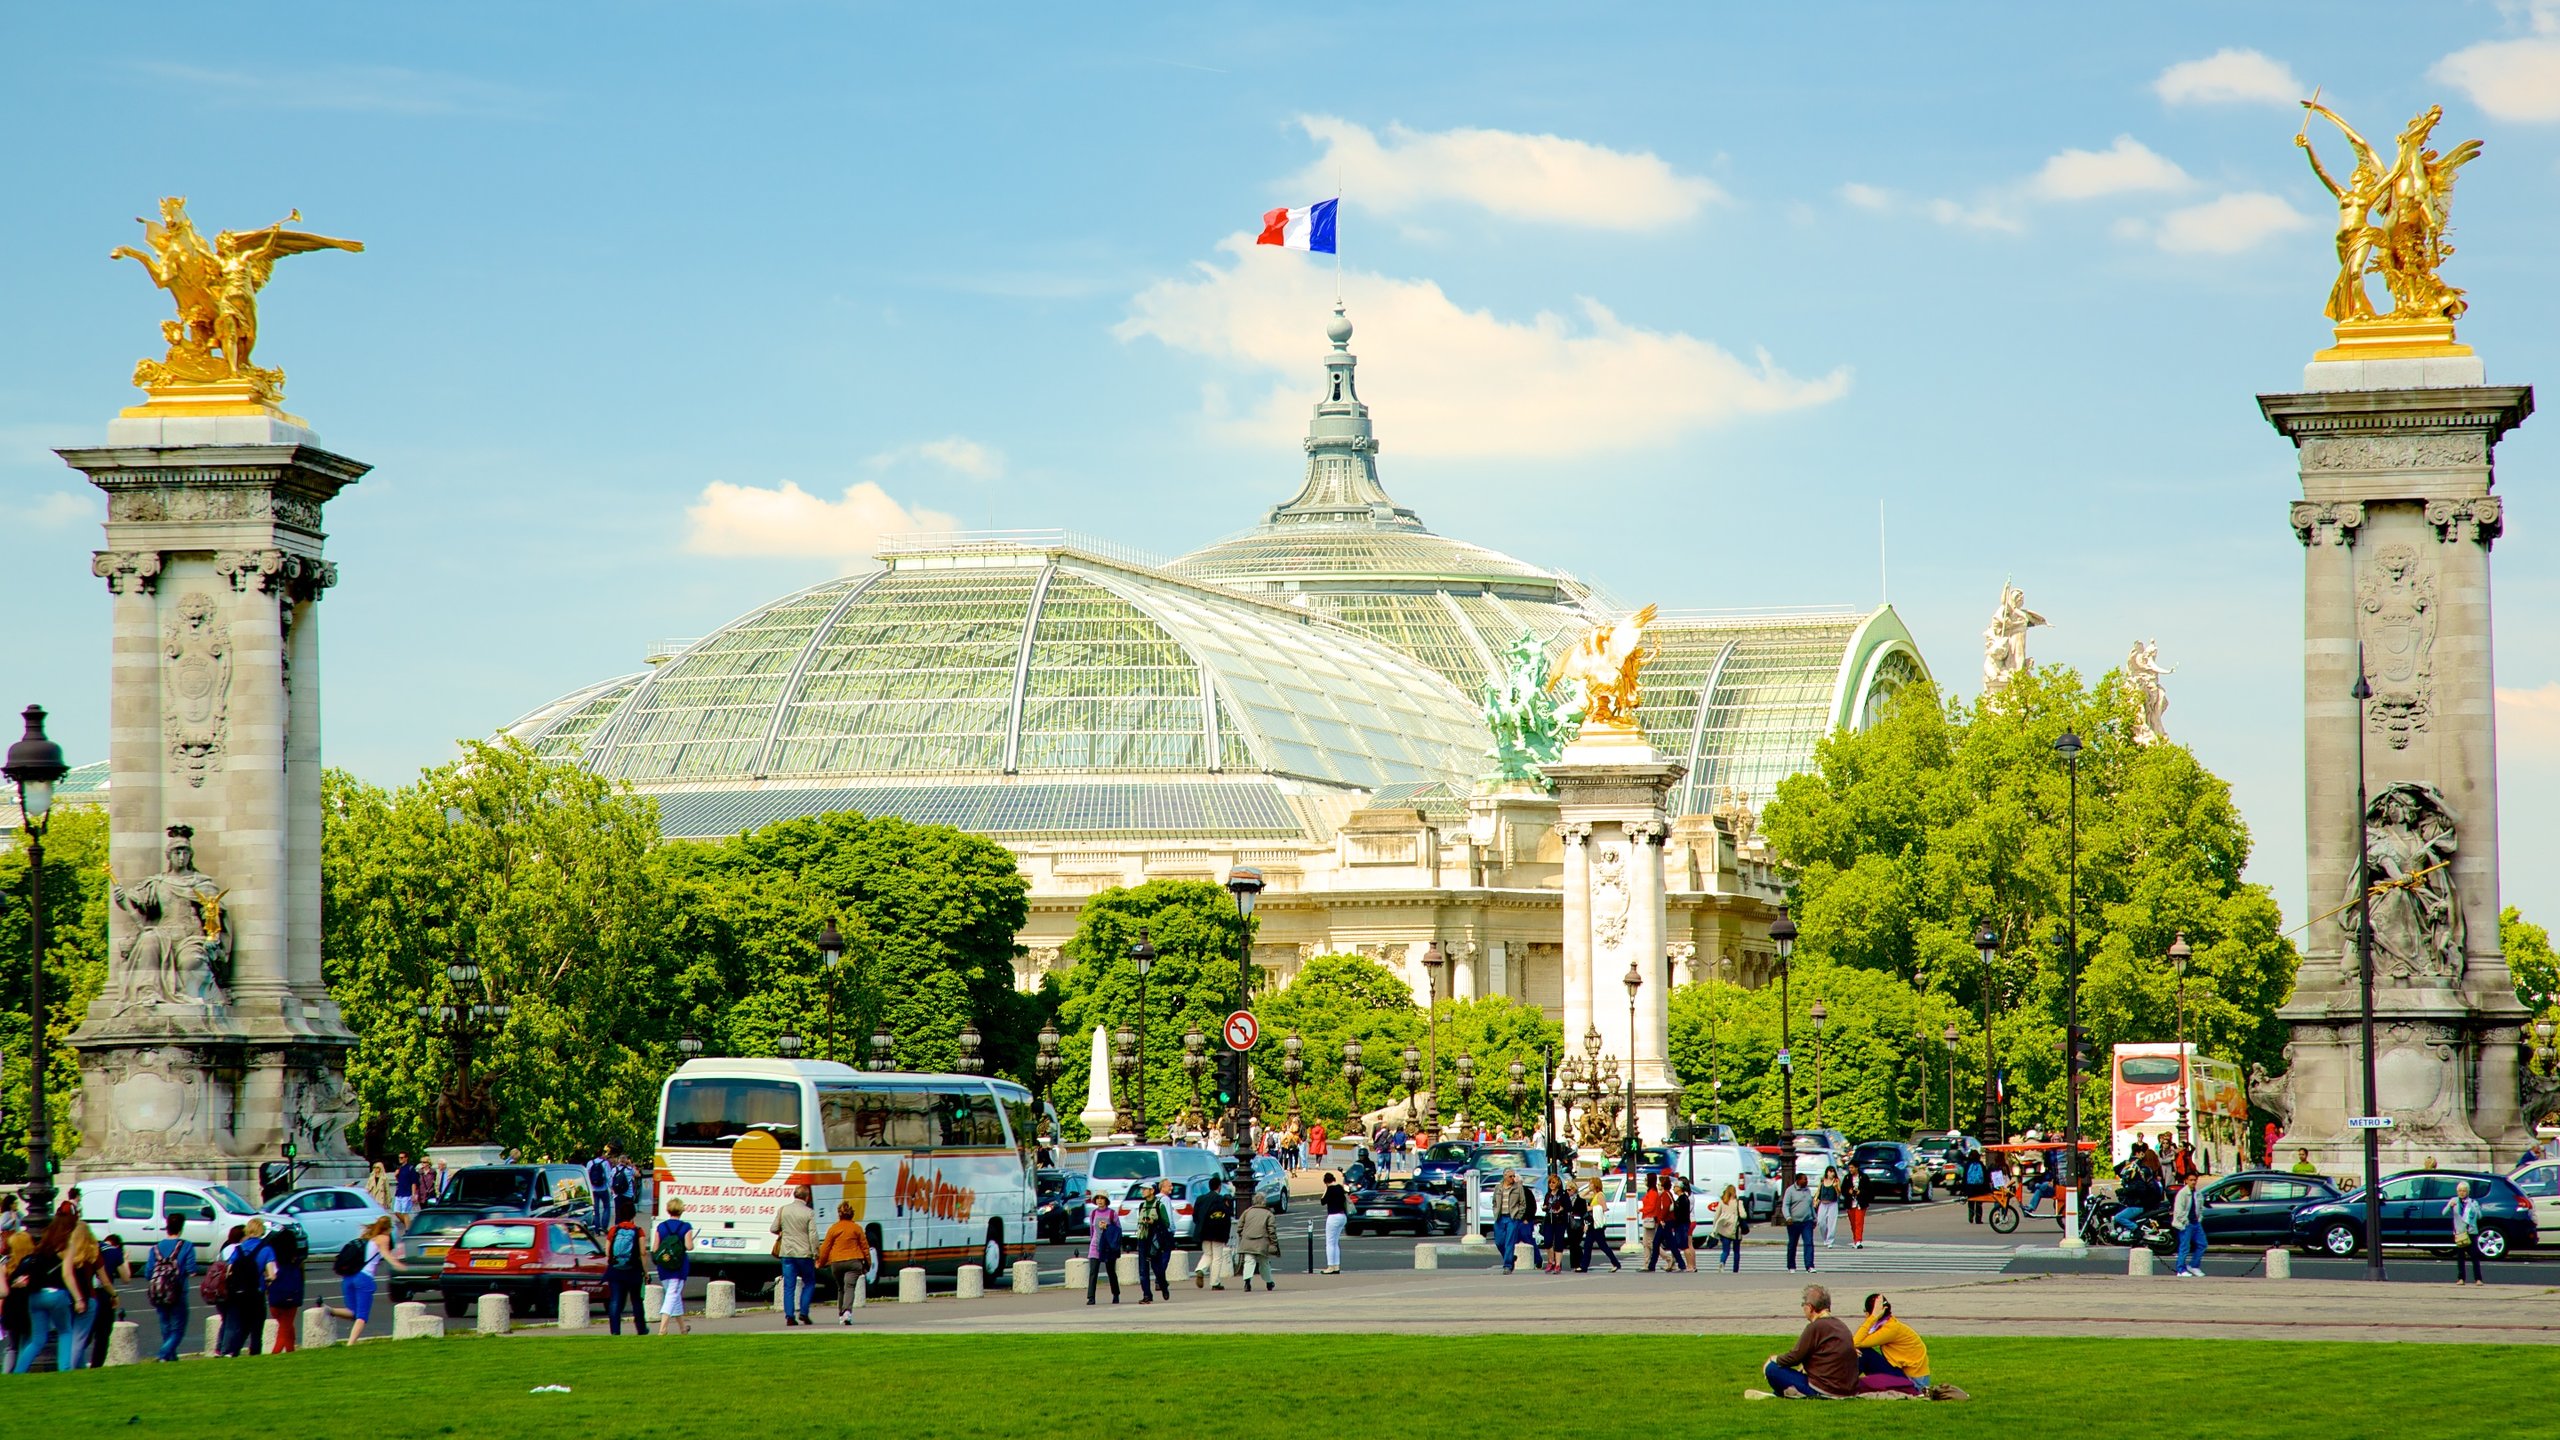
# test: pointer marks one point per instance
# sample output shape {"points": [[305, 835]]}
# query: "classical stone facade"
{"points": [[214, 1042], [2396, 519]]}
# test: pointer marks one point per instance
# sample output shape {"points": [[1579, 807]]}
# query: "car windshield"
{"points": [[439, 1222], [229, 1199], [1127, 1165], [719, 1113], [498, 1186], [1494, 1162], [496, 1237], [1450, 1150]]}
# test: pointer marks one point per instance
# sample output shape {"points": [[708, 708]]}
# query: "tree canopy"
{"points": [[75, 968]]}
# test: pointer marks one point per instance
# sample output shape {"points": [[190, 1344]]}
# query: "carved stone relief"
{"points": [[2418, 936], [2396, 604], [2395, 452], [1611, 906], [127, 572], [195, 647], [2315, 523], [2481, 519], [149, 505]]}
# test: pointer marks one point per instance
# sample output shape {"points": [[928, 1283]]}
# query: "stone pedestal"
{"points": [[2396, 520], [970, 1284], [214, 1042], [124, 1343], [719, 1299], [495, 1316], [577, 1310], [911, 1285], [1026, 1277], [1610, 789]]}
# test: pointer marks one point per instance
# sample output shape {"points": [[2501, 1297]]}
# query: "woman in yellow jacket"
{"points": [[1890, 1348]]}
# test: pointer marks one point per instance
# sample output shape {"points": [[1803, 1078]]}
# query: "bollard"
{"points": [[124, 1343], [496, 1315], [1426, 1257], [1128, 1267], [2137, 1261], [1311, 1247], [410, 1321], [653, 1301], [911, 1285], [1079, 1271], [268, 1329], [212, 1335], [577, 1310], [972, 1284], [2279, 1264], [319, 1332], [1178, 1267], [1026, 1277], [720, 1300]]}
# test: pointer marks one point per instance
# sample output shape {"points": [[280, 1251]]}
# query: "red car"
{"points": [[532, 1260]]}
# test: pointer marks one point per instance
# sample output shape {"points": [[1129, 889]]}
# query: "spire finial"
{"points": [[1338, 329]]}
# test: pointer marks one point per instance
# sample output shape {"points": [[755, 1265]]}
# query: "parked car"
{"points": [[1448, 1162], [1891, 1167], [1178, 1205], [1403, 1202], [519, 1189], [2413, 1214], [417, 1260], [532, 1260], [2541, 1181], [327, 1215], [1270, 1181], [1937, 1149], [1491, 1162], [1059, 1211], [2254, 1208], [137, 1208], [1111, 1168]]}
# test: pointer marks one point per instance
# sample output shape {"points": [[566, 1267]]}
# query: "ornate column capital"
{"points": [[2335, 523], [1573, 832], [127, 572], [1647, 832], [270, 571], [2482, 519]]}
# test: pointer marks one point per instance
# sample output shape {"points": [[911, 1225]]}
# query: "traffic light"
{"points": [[1226, 1083], [291, 1150], [2084, 1056]]}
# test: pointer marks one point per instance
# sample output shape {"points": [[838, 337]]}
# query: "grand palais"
{"points": [[1306, 697]]}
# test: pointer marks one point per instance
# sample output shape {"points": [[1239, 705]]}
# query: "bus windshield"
{"points": [[2148, 1069], [717, 1113]]}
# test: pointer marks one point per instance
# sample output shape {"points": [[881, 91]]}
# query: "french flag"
{"points": [[1307, 229]]}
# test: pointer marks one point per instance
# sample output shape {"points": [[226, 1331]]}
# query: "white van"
{"points": [[1117, 1171], [1710, 1168], [136, 1209]]}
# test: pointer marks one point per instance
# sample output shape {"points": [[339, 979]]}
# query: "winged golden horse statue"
{"points": [[1604, 663], [215, 287]]}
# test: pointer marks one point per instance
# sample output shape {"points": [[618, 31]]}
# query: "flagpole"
{"points": [[1337, 234]]}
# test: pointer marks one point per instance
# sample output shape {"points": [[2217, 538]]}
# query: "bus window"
{"points": [[967, 1120], [2148, 1069], [718, 1113], [1026, 1127]]}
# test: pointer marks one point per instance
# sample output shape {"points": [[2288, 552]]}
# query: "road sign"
{"points": [[1242, 1030], [1785, 1061], [2370, 1122]]}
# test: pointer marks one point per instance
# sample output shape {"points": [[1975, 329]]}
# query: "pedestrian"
{"points": [[1853, 1203], [2465, 1213], [845, 1256], [1595, 1232], [361, 1286], [54, 1298], [2302, 1163], [795, 1244], [1513, 1210], [1316, 1141], [1257, 1243], [404, 1190], [243, 1300], [1823, 1365], [673, 1253], [626, 1254], [171, 1269], [377, 1184], [1891, 1349], [1337, 1215], [1102, 1245], [1577, 1230], [1681, 1219], [1213, 1220], [1649, 1215], [285, 1260], [1977, 1185], [600, 1189], [624, 1182], [86, 1261], [1826, 1206], [1795, 1206], [1731, 1224], [1554, 1221], [2186, 1216]]}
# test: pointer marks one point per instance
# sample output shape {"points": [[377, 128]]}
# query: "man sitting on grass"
{"points": [[1824, 1363]]}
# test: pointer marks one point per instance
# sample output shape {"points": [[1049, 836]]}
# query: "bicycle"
{"points": [[2006, 1209]]}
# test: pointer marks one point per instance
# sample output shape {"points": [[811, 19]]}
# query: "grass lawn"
{"points": [[1291, 1387]]}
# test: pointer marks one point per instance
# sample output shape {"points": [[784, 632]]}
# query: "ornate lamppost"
{"points": [[689, 1045], [971, 1062], [1352, 1071], [883, 1044], [2363, 695], [1627, 1148], [1193, 1062], [1245, 883], [1517, 1091], [1293, 1070], [1143, 954], [1466, 1084], [1046, 1064], [830, 959], [1433, 958], [2179, 956], [1124, 1059], [34, 766], [1782, 933], [1412, 1078], [1951, 1037], [1986, 943], [1821, 1018], [787, 1045], [462, 1116]]}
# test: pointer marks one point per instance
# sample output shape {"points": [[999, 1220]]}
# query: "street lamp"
{"points": [[2179, 955], [463, 1117], [1293, 1070], [1986, 943], [787, 1045], [1782, 933], [1627, 1150], [830, 956], [1124, 1060], [1821, 1016], [1143, 953], [2363, 695], [1432, 959], [1951, 1037], [882, 1044], [971, 1062], [1245, 883], [1412, 1078], [1517, 1091], [689, 1045], [1046, 1064], [1352, 1070], [34, 765], [2067, 745]]}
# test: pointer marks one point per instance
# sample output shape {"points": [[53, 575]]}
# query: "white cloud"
{"points": [[2226, 225], [2511, 79], [954, 453], [1974, 217], [1524, 177], [2529, 723], [2228, 77], [2126, 166], [1562, 385], [787, 520], [1867, 197]]}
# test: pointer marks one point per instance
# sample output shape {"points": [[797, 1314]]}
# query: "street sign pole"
{"points": [[2363, 692]]}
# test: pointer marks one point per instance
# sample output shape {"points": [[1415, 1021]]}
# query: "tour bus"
{"points": [[938, 1167], [2156, 1083]]}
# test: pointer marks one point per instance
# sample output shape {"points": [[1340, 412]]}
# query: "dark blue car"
{"points": [[1446, 1164], [2415, 1213], [1889, 1167]]}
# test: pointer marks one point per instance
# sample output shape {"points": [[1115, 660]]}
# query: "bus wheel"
{"points": [[993, 1257]]}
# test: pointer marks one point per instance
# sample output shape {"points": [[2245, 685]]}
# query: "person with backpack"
{"points": [[600, 1189], [625, 1181], [54, 1298], [362, 1272], [284, 1287], [1102, 1245], [1155, 1244], [241, 1298], [172, 1264], [625, 1250], [674, 1255], [1977, 1186]]}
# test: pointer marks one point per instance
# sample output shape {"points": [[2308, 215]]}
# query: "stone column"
{"points": [[1611, 786], [2396, 520], [1462, 971], [1577, 930], [1651, 1044], [214, 1040]]}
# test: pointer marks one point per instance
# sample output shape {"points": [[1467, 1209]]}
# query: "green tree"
{"points": [[2530, 961], [1336, 999], [75, 929], [1944, 817], [1877, 1065], [1198, 938]]}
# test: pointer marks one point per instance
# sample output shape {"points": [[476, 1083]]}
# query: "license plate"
{"points": [[437, 1252], [488, 1264], [1379, 1214], [724, 1242]]}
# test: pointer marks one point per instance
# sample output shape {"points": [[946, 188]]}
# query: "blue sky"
{"points": [[666, 309]]}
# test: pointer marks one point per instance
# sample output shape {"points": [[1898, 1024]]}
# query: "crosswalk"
{"points": [[1888, 1257]]}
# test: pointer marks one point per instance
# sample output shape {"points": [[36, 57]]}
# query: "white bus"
{"points": [[938, 1167]]}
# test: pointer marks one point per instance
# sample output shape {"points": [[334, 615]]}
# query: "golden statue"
{"points": [[216, 290], [1604, 663], [2392, 219]]}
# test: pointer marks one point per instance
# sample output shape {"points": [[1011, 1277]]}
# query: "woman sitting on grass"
{"points": [[1890, 1355]]}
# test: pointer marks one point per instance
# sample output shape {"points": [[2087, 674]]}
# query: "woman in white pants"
{"points": [[1337, 1214]]}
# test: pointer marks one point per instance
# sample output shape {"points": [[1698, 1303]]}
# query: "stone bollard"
{"points": [[1079, 1271], [2279, 1264], [124, 1343], [577, 1309], [1178, 1268], [720, 1300], [1128, 1267], [319, 1332], [2138, 1260], [1426, 1257], [971, 1284], [268, 1329], [212, 1335], [496, 1317], [653, 1300], [911, 1285], [410, 1321], [1026, 1277]]}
